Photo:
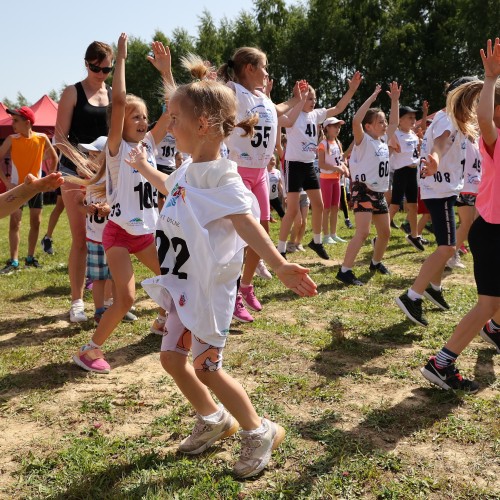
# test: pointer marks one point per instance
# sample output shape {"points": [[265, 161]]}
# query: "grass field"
{"points": [[339, 371]]}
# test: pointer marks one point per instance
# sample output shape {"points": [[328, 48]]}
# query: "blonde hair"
{"points": [[233, 68], [461, 106], [211, 99]]}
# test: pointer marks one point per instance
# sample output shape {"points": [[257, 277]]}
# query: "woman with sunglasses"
{"points": [[81, 118]]}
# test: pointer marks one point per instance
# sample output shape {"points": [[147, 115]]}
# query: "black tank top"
{"points": [[87, 123]]}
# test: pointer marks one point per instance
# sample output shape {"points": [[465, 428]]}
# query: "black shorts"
{"points": [[466, 200], [301, 176], [404, 185], [442, 212], [36, 201], [366, 200], [484, 243], [276, 204]]}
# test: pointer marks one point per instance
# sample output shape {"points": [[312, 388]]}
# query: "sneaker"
{"points": [[319, 249], [129, 317], [349, 278], [436, 297], [91, 360], [328, 240], [348, 224], [77, 312], [9, 268], [249, 298], [263, 271], [31, 262], [338, 239], [424, 241], [97, 317], [463, 250], [88, 284], [394, 225], [412, 309], [415, 242], [205, 434], [291, 247], [405, 226], [455, 262], [256, 449], [240, 313], [492, 338], [300, 248], [379, 268], [447, 378], [46, 244], [158, 326]]}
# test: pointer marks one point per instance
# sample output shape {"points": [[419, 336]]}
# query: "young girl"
{"points": [[441, 180], [276, 187], [332, 168], [133, 204], [207, 211], [484, 239], [299, 156], [246, 74], [369, 165]]}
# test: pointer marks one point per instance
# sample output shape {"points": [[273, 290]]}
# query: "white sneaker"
{"points": [[300, 248], [256, 449], [328, 240], [338, 239], [263, 271], [455, 262], [291, 247], [77, 312]]}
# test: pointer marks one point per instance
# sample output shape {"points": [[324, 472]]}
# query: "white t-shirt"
{"points": [[369, 163], [449, 179], [165, 151], [256, 151], [473, 159], [409, 155], [302, 137], [274, 177]]}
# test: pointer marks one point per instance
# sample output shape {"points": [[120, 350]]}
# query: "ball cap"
{"points": [[25, 112], [332, 121], [459, 81], [404, 110], [98, 145]]}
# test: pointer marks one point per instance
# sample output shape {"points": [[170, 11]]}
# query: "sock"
{"points": [[281, 246], [437, 288], [334, 235], [492, 327], [108, 303], [14, 262], [244, 285], [90, 345], [100, 310], [376, 262], [77, 302], [412, 295], [445, 358], [344, 269], [29, 258], [317, 238], [213, 418], [160, 318], [260, 430]]}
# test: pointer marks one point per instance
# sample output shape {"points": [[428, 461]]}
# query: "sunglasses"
{"points": [[96, 69]]}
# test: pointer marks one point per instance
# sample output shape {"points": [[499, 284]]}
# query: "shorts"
{"points": [[58, 191], [330, 192], [97, 265], [178, 338], [115, 236], [404, 185], [255, 180], [276, 204], [366, 200], [466, 200], [36, 201], [300, 176], [442, 212], [484, 243]]}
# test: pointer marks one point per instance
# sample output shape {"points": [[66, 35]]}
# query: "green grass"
{"points": [[339, 371]]}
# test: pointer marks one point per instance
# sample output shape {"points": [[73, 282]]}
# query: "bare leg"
{"points": [[54, 216], [14, 236], [432, 268], [363, 221], [382, 225], [35, 220]]}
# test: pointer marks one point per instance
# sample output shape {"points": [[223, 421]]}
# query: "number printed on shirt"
{"points": [[163, 244], [361, 178], [311, 130], [95, 218], [167, 151], [261, 136], [148, 196], [383, 169], [438, 177], [115, 210]]}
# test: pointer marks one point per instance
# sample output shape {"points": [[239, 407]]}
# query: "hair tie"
{"points": [[230, 63]]}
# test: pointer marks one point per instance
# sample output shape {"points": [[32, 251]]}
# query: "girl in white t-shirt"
{"points": [[200, 232], [369, 166]]}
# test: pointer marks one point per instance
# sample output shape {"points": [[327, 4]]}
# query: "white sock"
{"points": [[77, 302], [260, 430], [376, 262], [108, 303], [437, 288], [281, 246], [412, 295], [213, 418], [90, 345], [317, 238], [345, 269]]}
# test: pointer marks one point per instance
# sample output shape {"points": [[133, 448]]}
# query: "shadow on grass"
{"points": [[58, 291]]}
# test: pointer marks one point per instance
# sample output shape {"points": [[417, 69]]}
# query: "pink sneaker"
{"points": [[240, 313], [249, 298], [92, 360]]}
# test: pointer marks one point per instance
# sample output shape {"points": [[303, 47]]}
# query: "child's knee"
{"points": [[170, 362]]}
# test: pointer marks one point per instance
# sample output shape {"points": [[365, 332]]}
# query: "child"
{"points": [[27, 151], [441, 180], [404, 159], [299, 156], [484, 238], [133, 204], [207, 211], [276, 188], [331, 168], [369, 165]]}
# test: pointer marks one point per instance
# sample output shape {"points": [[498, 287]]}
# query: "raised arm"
{"points": [[354, 84], [138, 159], [288, 120], [284, 107], [394, 92], [357, 121]]}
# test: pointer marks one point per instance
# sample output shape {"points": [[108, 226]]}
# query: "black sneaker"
{"points": [[9, 268], [406, 227], [423, 241], [415, 242], [319, 249], [283, 254], [394, 225], [46, 244], [348, 278], [31, 262], [436, 297], [348, 224], [379, 268], [412, 309], [447, 378], [492, 338]]}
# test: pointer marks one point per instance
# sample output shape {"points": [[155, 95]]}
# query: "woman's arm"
{"points": [[354, 83], [137, 159], [357, 121]]}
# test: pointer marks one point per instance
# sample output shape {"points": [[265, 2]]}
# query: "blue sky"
{"points": [[43, 43]]}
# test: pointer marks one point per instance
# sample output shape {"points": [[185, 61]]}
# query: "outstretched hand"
{"points": [[429, 166], [136, 156], [491, 58], [161, 58], [297, 279], [299, 87], [121, 52], [376, 92], [355, 81], [47, 183], [394, 91]]}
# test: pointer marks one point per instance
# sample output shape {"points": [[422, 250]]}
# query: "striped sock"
{"points": [[492, 327], [445, 358]]}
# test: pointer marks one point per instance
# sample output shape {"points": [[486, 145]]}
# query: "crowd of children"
{"points": [[206, 239]]}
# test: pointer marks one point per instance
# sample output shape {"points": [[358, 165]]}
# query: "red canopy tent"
{"points": [[45, 110]]}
